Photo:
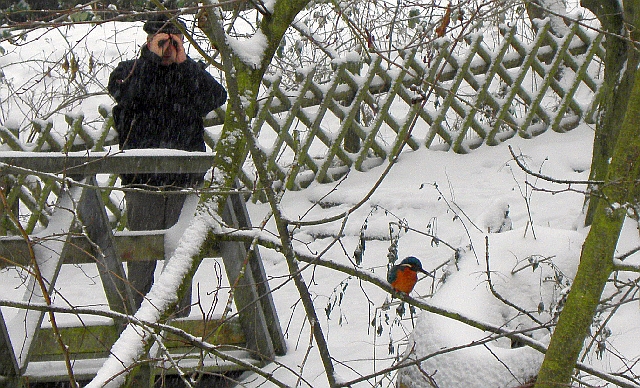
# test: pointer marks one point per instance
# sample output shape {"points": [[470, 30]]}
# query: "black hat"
{"points": [[161, 23]]}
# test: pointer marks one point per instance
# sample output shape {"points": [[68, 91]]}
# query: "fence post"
{"points": [[351, 140], [5, 186], [9, 368], [4, 213]]}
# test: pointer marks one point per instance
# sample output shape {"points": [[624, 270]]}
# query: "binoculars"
{"points": [[172, 41]]}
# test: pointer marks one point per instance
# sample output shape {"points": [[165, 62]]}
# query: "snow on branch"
{"points": [[133, 343]]}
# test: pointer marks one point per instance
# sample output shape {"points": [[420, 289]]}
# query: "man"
{"points": [[161, 99]]}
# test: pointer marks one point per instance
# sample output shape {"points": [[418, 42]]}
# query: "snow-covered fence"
{"points": [[455, 96]]}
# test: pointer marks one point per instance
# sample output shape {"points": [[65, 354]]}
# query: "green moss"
{"points": [[596, 261]]}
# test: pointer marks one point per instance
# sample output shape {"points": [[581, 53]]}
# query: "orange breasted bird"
{"points": [[404, 276]]}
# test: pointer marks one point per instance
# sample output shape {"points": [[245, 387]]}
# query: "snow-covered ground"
{"points": [[459, 199], [472, 194]]}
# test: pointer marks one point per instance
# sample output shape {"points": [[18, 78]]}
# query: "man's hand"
{"points": [[169, 47]]}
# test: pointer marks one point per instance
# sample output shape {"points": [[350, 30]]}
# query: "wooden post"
{"points": [[8, 364], [5, 219], [351, 141], [48, 254], [260, 278], [4, 213], [93, 216], [246, 294], [5, 185]]}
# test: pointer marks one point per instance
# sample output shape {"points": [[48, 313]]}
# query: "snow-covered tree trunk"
{"points": [[620, 66], [245, 63], [622, 195]]}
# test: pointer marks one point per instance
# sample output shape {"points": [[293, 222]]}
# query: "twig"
{"points": [[497, 295], [620, 266], [458, 217], [434, 237], [306, 357], [524, 168], [174, 364]]}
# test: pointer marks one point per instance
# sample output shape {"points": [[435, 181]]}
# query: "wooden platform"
{"points": [[91, 163], [95, 340]]}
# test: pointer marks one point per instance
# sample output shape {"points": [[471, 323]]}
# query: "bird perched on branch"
{"points": [[403, 277]]}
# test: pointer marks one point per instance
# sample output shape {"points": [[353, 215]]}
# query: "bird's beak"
{"points": [[426, 273]]}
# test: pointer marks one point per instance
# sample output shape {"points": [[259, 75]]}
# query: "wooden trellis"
{"points": [[473, 98], [477, 93]]}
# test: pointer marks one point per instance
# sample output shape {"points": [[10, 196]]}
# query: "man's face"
{"points": [[167, 46]]}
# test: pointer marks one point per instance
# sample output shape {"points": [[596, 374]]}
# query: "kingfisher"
{"points": [[404, 276]]}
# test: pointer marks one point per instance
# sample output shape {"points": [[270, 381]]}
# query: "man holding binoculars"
{"points": [[161, 99], [168, 47]]}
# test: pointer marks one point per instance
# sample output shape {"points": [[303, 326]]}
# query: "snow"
{"points": [[478, 188], [251, 50], [481, 185], [466, 290], [461, 199]]}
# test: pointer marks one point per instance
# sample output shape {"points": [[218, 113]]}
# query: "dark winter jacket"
{"points": [[162, 107]]}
